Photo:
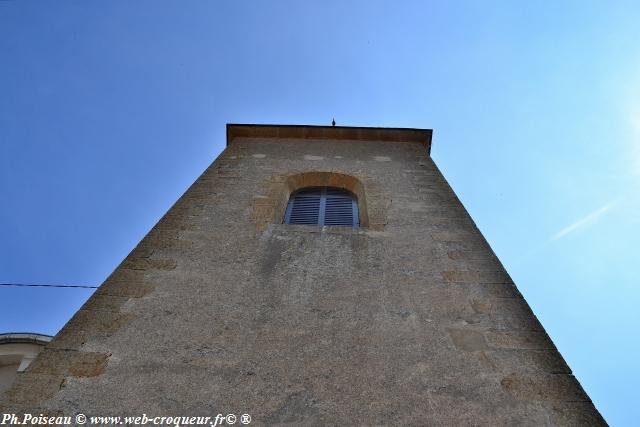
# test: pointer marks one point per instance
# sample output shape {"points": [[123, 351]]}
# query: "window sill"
{"points": [[326, 229]]}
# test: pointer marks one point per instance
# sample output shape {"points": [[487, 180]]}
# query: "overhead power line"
{"points": [[22, 285]]}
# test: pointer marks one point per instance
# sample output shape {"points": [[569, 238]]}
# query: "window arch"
{"points": [[323, 206]]}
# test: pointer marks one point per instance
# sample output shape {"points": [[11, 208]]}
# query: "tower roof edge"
{"points": [[423, 136]]}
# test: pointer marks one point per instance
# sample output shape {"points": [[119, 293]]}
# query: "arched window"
{"points": [[322, 206]]}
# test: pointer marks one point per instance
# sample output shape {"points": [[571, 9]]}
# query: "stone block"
{"points": [[545, 387], [480, 276], [524, 340], [468, 339], [64, 362]]}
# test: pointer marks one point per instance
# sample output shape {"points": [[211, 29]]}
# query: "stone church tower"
{"points": [[234, 304]]}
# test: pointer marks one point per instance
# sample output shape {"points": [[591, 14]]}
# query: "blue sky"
{"points": [[110, 109]]}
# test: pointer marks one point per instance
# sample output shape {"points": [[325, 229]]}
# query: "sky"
{"points": [[109, 110]]}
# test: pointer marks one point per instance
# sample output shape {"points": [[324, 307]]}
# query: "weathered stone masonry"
{"points": [[408, 320]]}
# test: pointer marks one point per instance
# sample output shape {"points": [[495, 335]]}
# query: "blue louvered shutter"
{"points": [[340, 208], [304, 207], [322, 206]]}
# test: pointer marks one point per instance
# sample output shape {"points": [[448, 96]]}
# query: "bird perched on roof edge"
{"points": [[333, 122]]}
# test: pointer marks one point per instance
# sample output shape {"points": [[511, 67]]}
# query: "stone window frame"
{"points": [[270, 208], [324, 209]]}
